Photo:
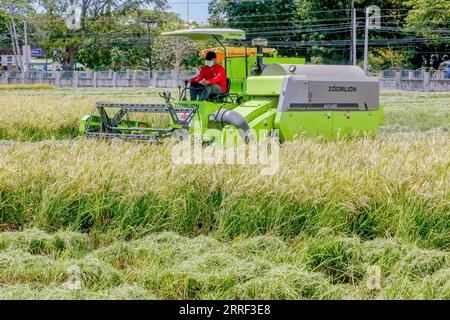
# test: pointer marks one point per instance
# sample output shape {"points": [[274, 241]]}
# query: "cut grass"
{"points": [[169, 266]]}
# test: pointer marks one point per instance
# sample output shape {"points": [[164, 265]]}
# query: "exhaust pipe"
{"points": [[260, 44], [230, 117]]}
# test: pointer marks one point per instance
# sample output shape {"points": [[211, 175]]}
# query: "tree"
{"points": [[385, 58], [173, 52], [103, 21], [59, 40], [4, 22], [430, 19], [17, 10], [322, 21], [18, 6], [317, 29], [94, 9], [4, 29], [121, 41], [276, 20]]}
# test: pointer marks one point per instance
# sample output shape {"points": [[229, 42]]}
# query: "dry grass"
{"points": [[10, 87], [396, 185], [334, 211], [41, 115], [35, 115], [416, 111]]}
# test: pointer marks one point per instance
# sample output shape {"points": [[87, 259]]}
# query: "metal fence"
{"points": [[418, 74], [414, 80], [103, 78]]}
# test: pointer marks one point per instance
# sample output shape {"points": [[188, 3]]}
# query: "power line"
{"points": [[347, 42], [336, 10]]}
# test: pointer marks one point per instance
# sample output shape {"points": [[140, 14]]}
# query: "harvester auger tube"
{"points": [[230, 117]]}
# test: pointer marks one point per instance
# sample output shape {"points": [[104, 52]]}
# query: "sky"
{"points": [[198, 9]]}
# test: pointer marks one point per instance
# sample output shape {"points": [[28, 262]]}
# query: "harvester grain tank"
{"points": [[283, 94]]}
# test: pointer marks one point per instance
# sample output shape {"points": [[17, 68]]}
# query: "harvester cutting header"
{"points": [[239, 89]]}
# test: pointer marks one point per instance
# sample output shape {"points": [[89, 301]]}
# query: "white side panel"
{"points": [[294, 89]]}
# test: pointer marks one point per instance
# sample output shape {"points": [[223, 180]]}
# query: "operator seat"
{"points": [[220, 97]]}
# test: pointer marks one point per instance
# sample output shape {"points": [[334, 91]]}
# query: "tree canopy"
{"points": [[321, 29], [121, 34]]}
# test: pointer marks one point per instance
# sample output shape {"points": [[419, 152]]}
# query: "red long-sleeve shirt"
{"points": [[214, 75]]}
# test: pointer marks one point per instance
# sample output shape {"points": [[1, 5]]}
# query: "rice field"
{"points": [[344, 219]]}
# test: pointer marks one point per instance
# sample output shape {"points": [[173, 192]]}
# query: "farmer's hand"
{"points": [[205, 83]]}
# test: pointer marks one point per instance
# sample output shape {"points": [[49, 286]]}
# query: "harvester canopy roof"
{"points": [[315, 71], [207, 34]]}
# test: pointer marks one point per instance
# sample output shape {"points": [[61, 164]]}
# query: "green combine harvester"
{"points": [[281, 95]]}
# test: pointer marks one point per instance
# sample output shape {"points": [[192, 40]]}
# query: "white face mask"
{"points": [[209, 63]]}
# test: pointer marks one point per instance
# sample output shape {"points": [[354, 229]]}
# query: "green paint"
{"points": [[234, 35], [329, 124], [264, 86]]}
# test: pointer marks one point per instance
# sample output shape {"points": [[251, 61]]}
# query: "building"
{"points": [[8, 60], [44, 65]]}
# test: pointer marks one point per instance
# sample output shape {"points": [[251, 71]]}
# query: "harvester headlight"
{"points": [[292, 68]]}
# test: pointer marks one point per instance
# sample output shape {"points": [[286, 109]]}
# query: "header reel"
{"points": [[134, 121]]}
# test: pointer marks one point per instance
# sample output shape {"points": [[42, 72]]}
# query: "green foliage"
{"points": [[4, 22], [255, 17], [4, 29], [58, 39], [385, 58], [118, 40], [18, 6], [323, 20], [426, 17], [169, 266], [114, 35], [314, 14]]}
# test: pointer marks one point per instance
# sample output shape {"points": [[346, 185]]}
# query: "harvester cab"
{"points": [[267, 93]]}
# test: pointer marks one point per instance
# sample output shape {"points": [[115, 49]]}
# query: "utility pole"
{"points": [[16, 47], [16, 39], [366, 43], [188, 16], [26, 50], [353, 46], [353, 33], [13, 43], [150, 23], [373, 21]]}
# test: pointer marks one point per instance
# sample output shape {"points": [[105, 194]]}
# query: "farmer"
{"points": [[211, 80]]}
